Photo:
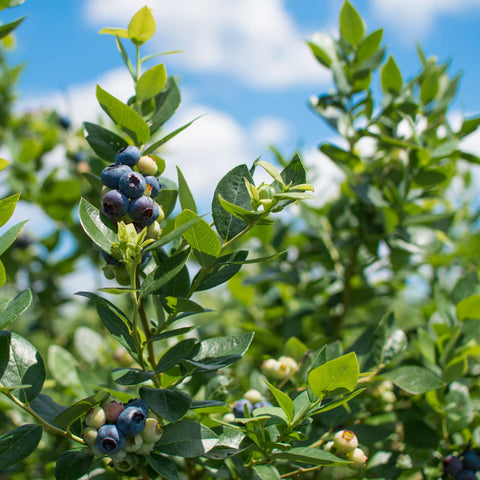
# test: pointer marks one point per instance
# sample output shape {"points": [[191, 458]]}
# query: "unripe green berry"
{"points": [[125, 464], [109, 271], [117, 456], [289, 364], [152, 431], [269, 367], [90, 436], [145, 449], [253, 396], [147, 165], [132, 444], [328, 447], [154, 230], [358, 458], [96, 418], [229, 418], [266, 192], [345, 441], [121, 275], [96, 451]]}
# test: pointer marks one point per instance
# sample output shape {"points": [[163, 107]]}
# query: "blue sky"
{"points": [[245, 65]]}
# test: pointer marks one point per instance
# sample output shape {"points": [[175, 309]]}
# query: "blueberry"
{"points": [[128, 155], [111, 174], [138, 402], [147, 165], [141, 209], [466, 475], [110, 439], [132, 184], [115, 204], [153, 186], [238, 409], [155, 214], [64, 122], [452, 464], [262, 403], [471, 460], [132, 420]]}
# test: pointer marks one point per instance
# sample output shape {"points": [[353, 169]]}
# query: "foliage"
{"points": [[354, 323]]}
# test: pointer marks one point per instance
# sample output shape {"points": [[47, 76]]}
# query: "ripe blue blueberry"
{"points": [[115, 204], [110, 439], [131, 421], [238, 409], [110, 175], [141, 209], [262, 403], [138, 402], [128, 155], [132, 184], [466, 475], [452, 464], [471, 460], [155, 214], [153, 186]]}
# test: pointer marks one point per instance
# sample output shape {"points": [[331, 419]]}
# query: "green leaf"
{"points": [[224, 268], [10, 27], [124, 117], [115, 324], [152, 148], [131, 376], [103, 142], [266, 472], [10, 235], [7, 207], [173, 235], [200, 236], [231, 188], [469, 308], [429, 87], [369, 46], [88, 344], [413, 379], [46, 407], [469, 125], [165, 272], [222, 346], [352, 28], [79, 409], [178, 304], [335, 377], [391, 78], [93, 226], [73, 464], [323, 47], [3, 163], [283, 400], [63, 367], [142, 26], [3, 275], [313, 456], [15, 308], [126, 59], [18, 444], [97, 299], [163, 466], [169, 404], [166, 104], [186, 439], [116, 32], [187, 202], [151, 83], [175, 354], [20, 364]]}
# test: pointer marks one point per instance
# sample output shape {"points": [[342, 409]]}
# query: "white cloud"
{"points": [[257, 42], [416, 17]]}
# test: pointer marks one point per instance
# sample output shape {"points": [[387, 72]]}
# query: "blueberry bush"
{"points": [[347, 346]]}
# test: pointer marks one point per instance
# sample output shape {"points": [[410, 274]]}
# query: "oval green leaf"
{"points": [[18, 444]]}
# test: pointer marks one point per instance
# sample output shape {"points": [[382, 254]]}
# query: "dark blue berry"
{"points": [[471, 460], [64, 122], [110, 439], [110, 175], [132, 420], [466, 475], [155, 214], [138, 402], [128, 155], [115, 204], [132, 184], [261, 404], [141, 209], [238, 409], [452, 464], [153, 185]]}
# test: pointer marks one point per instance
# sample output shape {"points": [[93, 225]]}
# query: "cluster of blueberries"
{"points": [[119, 430], [463, 467], [131, 186]]}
